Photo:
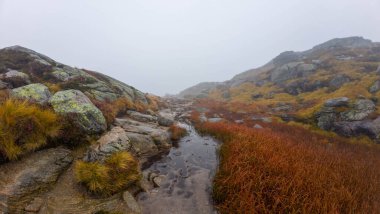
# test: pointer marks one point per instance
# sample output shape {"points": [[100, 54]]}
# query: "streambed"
{"points": [[185, 177]]}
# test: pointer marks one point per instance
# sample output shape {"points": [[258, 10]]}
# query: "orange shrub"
{"points": [[288, 169]]}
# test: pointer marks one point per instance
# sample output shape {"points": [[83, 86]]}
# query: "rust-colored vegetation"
{"points": [[288, 169], [177, 132]]}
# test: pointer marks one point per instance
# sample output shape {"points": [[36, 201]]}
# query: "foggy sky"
{"points": [[164, 46]]}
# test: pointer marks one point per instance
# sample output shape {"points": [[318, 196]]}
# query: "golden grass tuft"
{"points": [[118, 171], [25, 127]]}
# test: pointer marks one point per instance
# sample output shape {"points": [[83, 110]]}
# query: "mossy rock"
{"points": [[74, 104], [36, 92]]}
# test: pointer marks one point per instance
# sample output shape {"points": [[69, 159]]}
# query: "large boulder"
{"points": [[147, 139], [111, 142], [338, 81], [15, 78], [375, 87], [77, 106], [16, 74], [292, 70], [142, 117], [22, 180], [165, 118], [337, 102], [36, 92], [326, 118], [360, 110], [356, 128]]}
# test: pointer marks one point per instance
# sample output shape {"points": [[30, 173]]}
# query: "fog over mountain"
{"points": [[168, 45]]}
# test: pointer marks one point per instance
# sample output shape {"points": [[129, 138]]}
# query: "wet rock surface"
{"points": [[22, 180], [181, 181]]}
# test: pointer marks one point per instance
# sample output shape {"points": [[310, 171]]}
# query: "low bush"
{"points": [[177, 132], [118, 171], [288, 169], [25, 127], [112, 109]]}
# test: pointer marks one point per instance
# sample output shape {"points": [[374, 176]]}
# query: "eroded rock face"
{"points": [[74, 104], [37, 92], [111, 142], [20, 181]]}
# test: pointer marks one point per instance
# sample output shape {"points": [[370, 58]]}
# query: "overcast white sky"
{"points": [[164, 46]]}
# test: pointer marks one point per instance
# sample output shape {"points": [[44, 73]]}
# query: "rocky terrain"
{"points": [[333, 86], [42, 179]]}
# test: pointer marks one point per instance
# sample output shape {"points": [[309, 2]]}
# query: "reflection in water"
{"points": [[186, 176]]}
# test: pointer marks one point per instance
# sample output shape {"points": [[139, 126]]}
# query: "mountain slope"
{"points": [[301, 86]]}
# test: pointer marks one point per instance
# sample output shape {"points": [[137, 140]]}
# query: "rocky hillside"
{"points": [[20, 66], [74, 140], [334, 85]]}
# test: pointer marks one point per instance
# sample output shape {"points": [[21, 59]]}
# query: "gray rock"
{"points": [[337, 102], [36, 92], [111, 142], [326, 118], [131, 202], [263, 119], [158, 180], [214, 119], [14, 73], [292, 70], [22, 180], [338, 81], [143, 145], [74, 104], [34, 206], [3, 85], [361, 109], [369, 128], [142, 117], [164, 120], [257, 126], [378, 70], [375, 87]]}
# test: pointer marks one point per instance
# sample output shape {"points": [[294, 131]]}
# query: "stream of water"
{"points": [[186, 173]]}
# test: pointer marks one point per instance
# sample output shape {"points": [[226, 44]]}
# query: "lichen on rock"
{"points": [[74, 104]]}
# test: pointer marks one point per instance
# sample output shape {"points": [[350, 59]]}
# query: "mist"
{"points": [[168, 45]]}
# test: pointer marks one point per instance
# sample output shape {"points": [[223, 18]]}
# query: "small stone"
{"points": [[34, 206], [131, 202], [157, 181], [337, 102], [257, 126]]}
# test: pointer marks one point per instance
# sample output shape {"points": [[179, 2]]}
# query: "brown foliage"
{"points": [[288, 169]]}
